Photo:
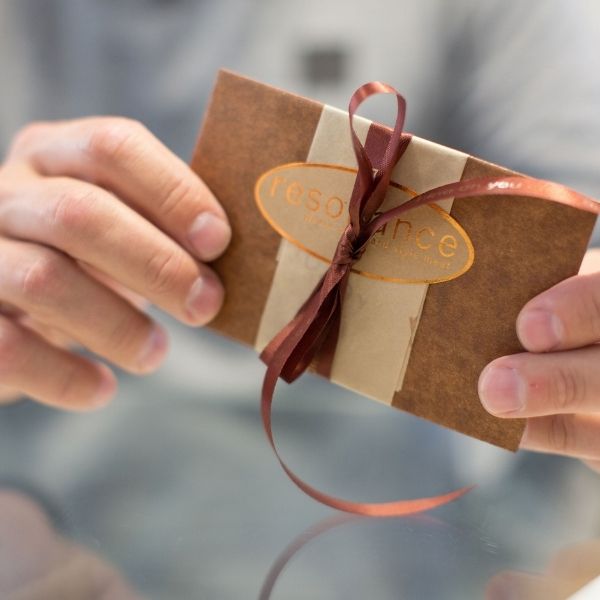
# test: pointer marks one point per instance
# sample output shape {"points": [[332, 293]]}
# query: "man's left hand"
{"points": [[556, 383]]}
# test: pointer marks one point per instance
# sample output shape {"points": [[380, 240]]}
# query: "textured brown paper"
{"points": [[522, 247]]}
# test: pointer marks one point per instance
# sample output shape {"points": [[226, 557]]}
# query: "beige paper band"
{"points": [[371, 358]]}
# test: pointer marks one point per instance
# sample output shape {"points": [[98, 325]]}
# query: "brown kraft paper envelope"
{"points": [[522, 247]]}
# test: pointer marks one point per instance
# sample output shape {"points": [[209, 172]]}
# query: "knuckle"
{"points": [[29, 133], [72, 212], [41, 280], [567, 391], [111, 138], [125, 336], [11, 339], [163, 271], [561, 432], [172, 197]]}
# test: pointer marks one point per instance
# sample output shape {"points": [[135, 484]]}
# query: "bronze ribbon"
{"points": [[315, 327]]}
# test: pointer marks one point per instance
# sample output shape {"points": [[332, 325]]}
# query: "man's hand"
{"points": [[556, 384], [94, 214]]}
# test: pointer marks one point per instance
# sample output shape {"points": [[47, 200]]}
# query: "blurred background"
{"points": [[174, 483]]}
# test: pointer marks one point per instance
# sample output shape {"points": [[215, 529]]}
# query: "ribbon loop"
{"points": [[370, 187]]}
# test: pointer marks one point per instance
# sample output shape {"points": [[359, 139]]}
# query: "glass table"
{"points": [[172, 492]]}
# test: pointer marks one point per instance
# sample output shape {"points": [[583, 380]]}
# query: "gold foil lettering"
{"points": [[313, 202], [447, 246], [307, 204], [293, 193], [334, 207], [275, 184], [407, 229], [420, 244]]}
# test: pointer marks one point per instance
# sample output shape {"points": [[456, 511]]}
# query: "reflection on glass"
{"points": [[37, 563], [571, 569], [435, 560]]}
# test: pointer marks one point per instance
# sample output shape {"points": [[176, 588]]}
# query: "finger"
{"points": [[593, 464], [527, 586], [51, 375], [580, 560], [565, 316], [53, 290], [8, 396], [47, 332], [27, 536], [531, 385], [78, 575], [569, 435], [9, 311], [124, 157], [136, 299], [92, 226]]}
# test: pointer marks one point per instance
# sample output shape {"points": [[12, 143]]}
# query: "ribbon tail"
{"points": [[385, 509], [327, 349], [295, 349], [272, 347], [302, 337], [491, 186]]}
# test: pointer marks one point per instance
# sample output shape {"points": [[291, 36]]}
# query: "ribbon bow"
{"points": [[315, 328]]}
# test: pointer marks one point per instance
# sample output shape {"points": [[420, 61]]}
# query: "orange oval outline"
{"points": [[455, 225]]}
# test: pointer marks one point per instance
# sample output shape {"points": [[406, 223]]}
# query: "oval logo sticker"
{"points": [[307, 204]]}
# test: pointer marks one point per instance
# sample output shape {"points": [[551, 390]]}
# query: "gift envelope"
{"points": [[436, 294]]}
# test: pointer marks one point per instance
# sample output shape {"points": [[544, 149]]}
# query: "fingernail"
{"points": [[500, 390], [154, 350], [205, 299], [209, 236], [107, 387], [539, 330]]}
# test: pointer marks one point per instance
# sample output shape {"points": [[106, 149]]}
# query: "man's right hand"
{"points": [[94, 214]]}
